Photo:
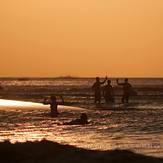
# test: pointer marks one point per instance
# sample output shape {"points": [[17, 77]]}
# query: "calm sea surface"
{"points": [[137, 126]]}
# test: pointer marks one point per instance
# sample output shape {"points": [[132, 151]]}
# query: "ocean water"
{"points": [[137, 126]]}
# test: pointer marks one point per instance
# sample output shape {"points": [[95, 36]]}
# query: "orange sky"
{"points": [[47, 38]]}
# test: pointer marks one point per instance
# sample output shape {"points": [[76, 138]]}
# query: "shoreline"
{"points": [[47, 151]]}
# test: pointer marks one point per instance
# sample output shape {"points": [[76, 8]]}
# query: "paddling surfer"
{"points": [[97, 90], [81, 121]]}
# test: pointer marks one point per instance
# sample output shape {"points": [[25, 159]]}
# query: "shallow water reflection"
{"points": [[140, 131]]}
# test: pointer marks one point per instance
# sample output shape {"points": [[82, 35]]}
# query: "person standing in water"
{"points": [[127, 90], [97, 90], [108, 92], [53, 105]]}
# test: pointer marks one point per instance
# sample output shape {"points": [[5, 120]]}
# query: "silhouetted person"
{"points": [[1, 86], [127, 90], [53, 105], [97, 89], [108, 92], [81, 121]]}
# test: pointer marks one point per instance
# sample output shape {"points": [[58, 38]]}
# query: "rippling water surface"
{"points": [[138, 126]]}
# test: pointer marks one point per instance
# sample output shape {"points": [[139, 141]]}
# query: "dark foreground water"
{"points": [[137, 126], [47, 151]]}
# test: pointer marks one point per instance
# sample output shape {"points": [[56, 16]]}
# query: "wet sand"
{"points": [[47, 152]]}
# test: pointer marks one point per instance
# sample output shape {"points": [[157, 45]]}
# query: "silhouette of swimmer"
{"points": [[127, 90], [53, 105], [108, 92], [81, 121], [97, 89]]}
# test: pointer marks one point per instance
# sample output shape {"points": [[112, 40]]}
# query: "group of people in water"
{"points": [[108, 91], [54, 112], [100, 89]]}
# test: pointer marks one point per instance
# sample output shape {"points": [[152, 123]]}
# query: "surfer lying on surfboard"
{"points": [[81, 121]]}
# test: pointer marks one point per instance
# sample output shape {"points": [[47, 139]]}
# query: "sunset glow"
{"points": [[81, 38]]}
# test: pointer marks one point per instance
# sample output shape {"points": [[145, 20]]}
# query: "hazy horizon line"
{"points": [[69, 76]]}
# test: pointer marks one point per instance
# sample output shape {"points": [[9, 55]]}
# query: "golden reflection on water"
{"points": [[33, 105], [106, 132], [16, 103]]}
